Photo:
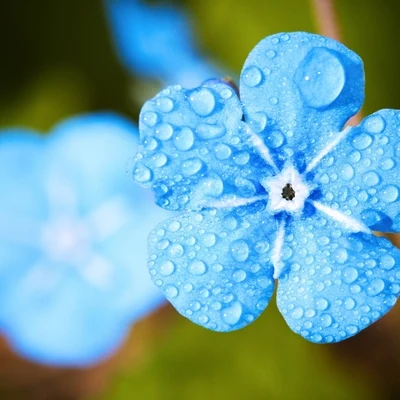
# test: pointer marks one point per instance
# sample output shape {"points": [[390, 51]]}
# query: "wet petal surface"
{"points": [[336, 283], [214, 266]]}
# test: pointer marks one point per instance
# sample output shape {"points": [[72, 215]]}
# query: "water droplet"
{"points": [[389, 194], [212, 186], [176, 250], [375, 287], [386, 164], [239, 250], [239, 275], [187, 287], [271, 54], [174, 226], [326, 320], [226, 93], [184, 139], [232, 314], [285, 37], [197, 268], [349, 274], [171, 291], [210, 131], [374, 124], [346, 172], [275, 139], [362, 141], [274, 100], [202, 102], [371, 178], [349, 303], [251, 76], [167, 268], [159, 159], [191, 166], [150, 118], [141, 173], [164, 104], [352, 329], [320, 77], [387, 261], [321, 304], [164, 131], [298, 312], [257, 121], [341, 256], [209, 239], [222, 151]]}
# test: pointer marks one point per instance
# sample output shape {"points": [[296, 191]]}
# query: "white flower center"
{"points": [[287, 191]]}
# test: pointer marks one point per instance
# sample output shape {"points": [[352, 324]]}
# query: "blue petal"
{"points": [[214, 266], [194, 149], [156, 42], [307, 85], [337, 283], [361, 176]]}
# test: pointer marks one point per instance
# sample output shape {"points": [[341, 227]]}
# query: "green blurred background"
{"points": [[57, 60]]}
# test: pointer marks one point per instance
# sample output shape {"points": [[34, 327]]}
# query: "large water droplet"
{"points": [[298, 312], [321, 304], [202, 102], [275, 139], [387, 261], [251, 76], [164, 104], [389, 194], [349, 303], [320, 77], [326, 320], [212, 186], [209, 239], [232, 314], [374, 124], [371, 178], [346, 172], [222, 151], [150, 118], [239, 250], [141, 173], [164, 131], [362, 141], [171, 291], [184, 139], [349, 274]]}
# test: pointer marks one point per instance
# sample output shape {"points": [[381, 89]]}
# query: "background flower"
{"points": [[73, 239]]}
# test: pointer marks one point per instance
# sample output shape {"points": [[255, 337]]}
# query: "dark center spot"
{"points": [[288, 192]]}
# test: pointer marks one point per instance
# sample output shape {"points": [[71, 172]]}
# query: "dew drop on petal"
{"points": [[164, 131], [141, 173], [167, 268], [239, 250], [197, 268], [389, 193], [374, 124], [184, 139], [171, 291], [232, 314], [202, 102], [320, 77], [362, 141], [375, 287], [349, 274], [252, 76], [191, 166]]}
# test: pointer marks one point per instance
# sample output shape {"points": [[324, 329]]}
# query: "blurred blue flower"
{"points": [[156, 42], [273, 187], [72, 240]]}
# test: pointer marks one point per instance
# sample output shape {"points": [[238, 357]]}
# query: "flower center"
{"points": [[288, 192]]}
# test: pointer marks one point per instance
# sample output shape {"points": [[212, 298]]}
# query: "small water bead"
{"points": [[209, 239], [371, 178], [210, 131], [191, 166], [141, 173], [222, 151], [355, 156], [242, 158], [164, 104], [320, 77], [164, 131], [341, 256], [252, 76], [230, 222], [167, 268], [387, 261], [389, 193], [197, 268], [285, 37], [298, 312], [346, 172], [202, 102], [326, 320], [171, 291], [375, 287], [226, 93], [232, 314], [150, 118], [273, 100], [257, 121], [374, 124], [386, 164], [275, 139], [187, 287], [349, 274], [212, 186], [239, 275], [321, 304], [362, 141], [184, 139], [159, 159], [349, 303], [239, 250]]}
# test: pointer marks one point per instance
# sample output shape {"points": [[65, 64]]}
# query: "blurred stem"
{"points": [[328, 25]]}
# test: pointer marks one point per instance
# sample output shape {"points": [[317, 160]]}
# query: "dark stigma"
{"points": [[288, 192]]}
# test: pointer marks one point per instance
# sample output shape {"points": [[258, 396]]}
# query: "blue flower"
{"points": [[272, 187], [156, 42], [72, 243]]}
